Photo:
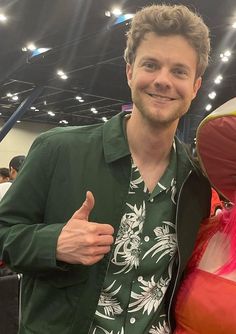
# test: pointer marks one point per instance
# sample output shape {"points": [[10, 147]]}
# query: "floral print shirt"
{"points": [[132, 298]]}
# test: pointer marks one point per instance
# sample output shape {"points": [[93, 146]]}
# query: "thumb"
{"points": [[84, 211]]}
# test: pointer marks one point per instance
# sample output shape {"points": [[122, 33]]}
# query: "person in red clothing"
{"points": [[206, 301]]}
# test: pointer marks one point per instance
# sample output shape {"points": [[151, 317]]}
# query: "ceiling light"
{"points": [[9, 94], [79, 98], [225, 59], [227, 53], [51, 113], [208, 107], [116, 11], [36, 109], [31, 47], [234, 25], [104, 119], [18, 121], [107, 13], [32, 108], [60, 72], [64, 77], [15, 98], [212, 95], [94, 110], [3, 18], [218, 79], [63, 121]]}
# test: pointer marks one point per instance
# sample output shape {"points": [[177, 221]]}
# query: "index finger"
{"points": [[103, 229]]}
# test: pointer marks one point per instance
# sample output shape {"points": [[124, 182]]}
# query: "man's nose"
{"points": [[162, 79]]}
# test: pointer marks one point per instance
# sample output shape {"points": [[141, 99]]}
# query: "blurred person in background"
{"points": [[4, 175], [14, 166]]}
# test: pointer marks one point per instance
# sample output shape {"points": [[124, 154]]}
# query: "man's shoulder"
{"points": [[70, 134]]}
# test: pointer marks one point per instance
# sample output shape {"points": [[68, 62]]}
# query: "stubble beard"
{"points": [[155, 120]]}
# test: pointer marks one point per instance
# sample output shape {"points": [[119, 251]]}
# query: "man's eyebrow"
{"points": [[184, 66], [147, 58]]}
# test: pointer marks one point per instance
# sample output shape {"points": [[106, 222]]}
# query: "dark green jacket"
{"points": [[61, 166]]}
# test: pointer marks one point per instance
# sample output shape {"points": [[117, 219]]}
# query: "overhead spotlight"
{"points": [[9, 94], [234, 25], [116, 11], [79, 98], [32, 108], [107, 13], [51, 113], [208, 107], [218, 79], [212, 95], [15, 98], [225, 56], [31, 47], [104, 119], [94, 110], [64, 77], [62, 74], [18, 121], [36, 109], [227, 53], [225, 59], [3, 18], [63, 121]]}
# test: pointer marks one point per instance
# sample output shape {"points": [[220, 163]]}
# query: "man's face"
{"points": [[4, 179], [13, 173], [162, 79]]}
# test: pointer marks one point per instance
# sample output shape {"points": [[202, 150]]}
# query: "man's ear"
{"points": [[129, 73], [197, 85]]}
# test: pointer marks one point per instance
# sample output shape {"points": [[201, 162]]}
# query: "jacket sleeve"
{"points": [[27, 242]]}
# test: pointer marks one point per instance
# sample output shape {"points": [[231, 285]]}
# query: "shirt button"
{"points": [[151, 200], [140, 278], [146, 238], [132, 320]]}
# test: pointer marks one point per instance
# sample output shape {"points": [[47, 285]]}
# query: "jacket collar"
{"points": [[116, 145], [114, 138]]}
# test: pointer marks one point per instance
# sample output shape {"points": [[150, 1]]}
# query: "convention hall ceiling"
{"points": [[78, 65]]}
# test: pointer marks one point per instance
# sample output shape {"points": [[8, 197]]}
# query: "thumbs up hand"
{"points": [[81, 241]]}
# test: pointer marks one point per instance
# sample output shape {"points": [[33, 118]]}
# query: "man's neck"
{"points": [[150, 149], [149, 144]]}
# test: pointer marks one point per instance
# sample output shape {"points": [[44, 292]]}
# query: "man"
{"points": [[111, 263], [4, 175], [14, 167]]}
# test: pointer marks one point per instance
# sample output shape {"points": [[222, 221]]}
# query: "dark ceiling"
{"points": [[88, 47]]}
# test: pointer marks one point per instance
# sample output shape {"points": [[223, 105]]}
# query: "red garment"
{"points": [[215, 202], [206, 303]]}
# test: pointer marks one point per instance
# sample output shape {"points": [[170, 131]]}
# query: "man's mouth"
{"points": [[161, 97]]}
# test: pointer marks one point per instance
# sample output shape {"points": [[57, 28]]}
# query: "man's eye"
{"points": [[150, 66], [180, 72]]}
